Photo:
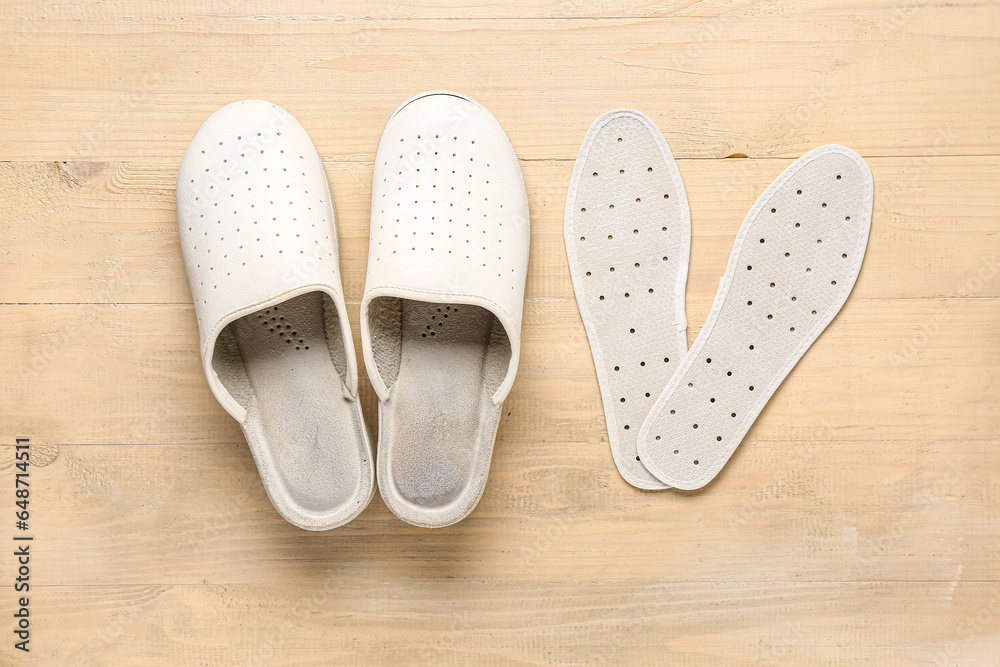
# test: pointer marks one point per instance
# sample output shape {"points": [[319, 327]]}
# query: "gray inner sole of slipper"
{"points": [[286, 365], [440, 420]]}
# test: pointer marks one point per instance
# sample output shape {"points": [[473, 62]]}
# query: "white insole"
{"points": [[794, 263], [299, 417], [437, 426], [628, 237]]}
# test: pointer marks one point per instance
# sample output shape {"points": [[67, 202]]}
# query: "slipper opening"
{"points": [[287, 366], [227, 358], [442, 363]]}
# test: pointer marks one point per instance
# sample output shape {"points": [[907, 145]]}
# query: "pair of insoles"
{"points": [[675, 416]]}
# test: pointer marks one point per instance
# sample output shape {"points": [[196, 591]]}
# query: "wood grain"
{"points": [[761, 78], [131, 374], [859, 521], [110, 236], [540, 511]]}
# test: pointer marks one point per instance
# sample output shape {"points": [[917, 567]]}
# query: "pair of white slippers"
{"points": [[440, 316], [675, 416]]}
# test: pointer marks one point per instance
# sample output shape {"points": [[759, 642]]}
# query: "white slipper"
{"points": [[795, 261], [441, 314], [259, 236], [628, 239]]}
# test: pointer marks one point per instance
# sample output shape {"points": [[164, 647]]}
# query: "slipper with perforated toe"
{"points": [[794, 263], [259, 237], [441, 313]]}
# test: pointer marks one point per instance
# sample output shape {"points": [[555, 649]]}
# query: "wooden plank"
{"points": [[345, 617], [753, 81], [896, 369], [106, 232], [107, 515], [33, 14]]}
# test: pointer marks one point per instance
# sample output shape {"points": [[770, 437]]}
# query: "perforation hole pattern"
{"points": [[254, 210], [629, 242], [445, 203], [771, 314], [274, 321]]}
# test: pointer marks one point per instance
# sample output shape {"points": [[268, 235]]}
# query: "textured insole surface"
{"points": [[441, 416], [308, 426], [796, 258], [628, 230]]}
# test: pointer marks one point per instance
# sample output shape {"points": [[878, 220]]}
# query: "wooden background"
{"points": [[859, 522]]}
